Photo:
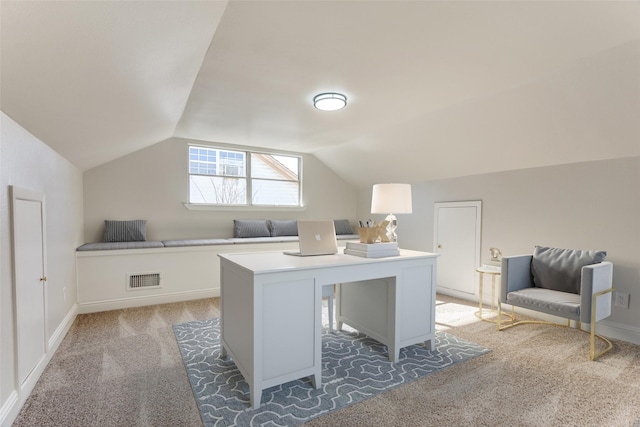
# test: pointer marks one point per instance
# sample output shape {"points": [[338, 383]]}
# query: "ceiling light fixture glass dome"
{"points": [[329, 101]]}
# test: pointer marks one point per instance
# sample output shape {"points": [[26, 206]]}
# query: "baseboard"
{"points": [[619, 331], [11, 408], [7, 409], [63, 328], [457, 294], [141, 301]]}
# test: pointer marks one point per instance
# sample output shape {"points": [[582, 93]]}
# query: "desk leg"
{"points": [[316, 380], [256, 396], [394, 353], [430, 344], [338, 290]]}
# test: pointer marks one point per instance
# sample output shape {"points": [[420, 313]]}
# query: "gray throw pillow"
{"points": [[284, 228], [561, 269], [342, 226], [250, 228], [125, 231]]}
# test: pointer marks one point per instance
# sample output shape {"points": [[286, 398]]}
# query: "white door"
{"points": [[457, 240], [30, 279]]}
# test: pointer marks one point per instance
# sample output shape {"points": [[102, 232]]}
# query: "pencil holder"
{"points": [[368, 234]]}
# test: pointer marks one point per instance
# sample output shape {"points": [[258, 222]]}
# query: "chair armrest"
{"points": [[515, 274], [596, 278]]}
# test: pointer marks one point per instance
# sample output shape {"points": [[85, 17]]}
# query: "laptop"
{"points": [[316, 237]]}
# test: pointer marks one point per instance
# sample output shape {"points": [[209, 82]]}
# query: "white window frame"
{"points": [[248, 178]]}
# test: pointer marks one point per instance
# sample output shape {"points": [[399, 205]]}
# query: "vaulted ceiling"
{"points": [[435, 89]]}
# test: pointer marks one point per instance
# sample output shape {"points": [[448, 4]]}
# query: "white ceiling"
{"points": [[435, 89]]}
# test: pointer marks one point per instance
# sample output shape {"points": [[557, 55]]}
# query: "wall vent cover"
{"points": [[143, 281]]}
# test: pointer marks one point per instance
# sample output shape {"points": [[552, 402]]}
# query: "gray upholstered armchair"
{"points": [[572, 284]]}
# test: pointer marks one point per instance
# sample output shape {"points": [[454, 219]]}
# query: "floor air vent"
{"points": [[143, 281]]}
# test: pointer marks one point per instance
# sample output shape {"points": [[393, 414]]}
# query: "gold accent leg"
{"points": [[480, 296], [592, 346], [592, 341], [493, 290]]}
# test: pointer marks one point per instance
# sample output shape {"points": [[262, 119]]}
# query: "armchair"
{"points": [[575, 285]]}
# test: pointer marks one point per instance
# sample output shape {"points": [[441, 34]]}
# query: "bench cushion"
{"points": [[561, 269], [195, 242], [264, 239], [105, 246], [563, 304]]}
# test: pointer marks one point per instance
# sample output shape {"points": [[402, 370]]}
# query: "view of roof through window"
{"points": [[226, 177]]}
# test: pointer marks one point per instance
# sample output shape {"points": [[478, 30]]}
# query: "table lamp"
{"points": [[392, 199]]}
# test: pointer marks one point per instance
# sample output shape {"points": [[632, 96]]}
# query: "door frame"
{"points": [[462, 204], [18, 193]]}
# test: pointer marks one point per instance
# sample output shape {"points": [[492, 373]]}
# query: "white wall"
{"points": [[28, 163], [153, 184], [589, 205]]}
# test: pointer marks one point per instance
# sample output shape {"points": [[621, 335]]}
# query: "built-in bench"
{"points": [[114, 275]]}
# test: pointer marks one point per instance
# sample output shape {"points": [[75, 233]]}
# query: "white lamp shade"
{"points": [[391, 198]]}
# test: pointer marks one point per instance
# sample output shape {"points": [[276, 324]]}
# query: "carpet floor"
{"points": [[123, 368]]}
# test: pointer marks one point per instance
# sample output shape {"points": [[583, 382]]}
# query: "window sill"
{"points": [[204, 207]]}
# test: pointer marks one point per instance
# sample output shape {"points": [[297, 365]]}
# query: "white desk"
{"points": [[271, 307]]}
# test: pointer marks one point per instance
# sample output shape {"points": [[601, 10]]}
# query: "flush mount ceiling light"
{"points": [[329, 101]]}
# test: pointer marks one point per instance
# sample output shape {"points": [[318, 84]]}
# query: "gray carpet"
{"points": [[354, 367], [124, 368]]}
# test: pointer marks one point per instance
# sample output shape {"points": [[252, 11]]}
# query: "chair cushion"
{"points": [[560, 269], [546, 300]]}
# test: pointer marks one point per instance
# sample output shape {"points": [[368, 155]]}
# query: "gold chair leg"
{"points": [[592, 346]]}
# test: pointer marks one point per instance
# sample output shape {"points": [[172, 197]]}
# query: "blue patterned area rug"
{"points": [[354, 367]]}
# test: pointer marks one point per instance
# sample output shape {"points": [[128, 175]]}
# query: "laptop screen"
{"points": [[316, 237]]}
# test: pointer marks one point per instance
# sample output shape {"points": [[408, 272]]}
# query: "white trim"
{"points": [[8, 411], [208, 207], [140, 301], [11, 408], [62, 329], [619, 331]]}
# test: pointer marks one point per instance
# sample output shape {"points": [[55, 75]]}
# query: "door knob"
{"points": [[439, 246]]}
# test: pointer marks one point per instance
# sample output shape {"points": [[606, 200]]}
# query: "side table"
{"points": [[493, 272]]}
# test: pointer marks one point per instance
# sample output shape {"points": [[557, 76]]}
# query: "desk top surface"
{"points": [[270, 262]]}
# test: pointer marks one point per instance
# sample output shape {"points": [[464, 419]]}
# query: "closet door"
{"points": [[457, 240], [28, 212]]}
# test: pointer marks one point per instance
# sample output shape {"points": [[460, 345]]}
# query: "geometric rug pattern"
{"points": [[354, 367]]}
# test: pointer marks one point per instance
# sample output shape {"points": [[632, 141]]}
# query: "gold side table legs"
{"points": [[482, 312]]}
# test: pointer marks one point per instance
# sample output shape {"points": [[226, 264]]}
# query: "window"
{"points": [[225, 177]]}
